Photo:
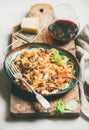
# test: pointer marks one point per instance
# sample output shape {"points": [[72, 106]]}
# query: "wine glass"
{"points": [[65, 27]]}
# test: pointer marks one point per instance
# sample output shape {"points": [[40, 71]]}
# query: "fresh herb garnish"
{"points": [[72, 105], [61, 107], [56, 58]]}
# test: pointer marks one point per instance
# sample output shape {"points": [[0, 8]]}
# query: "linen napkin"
{"points": [[82, 49]]}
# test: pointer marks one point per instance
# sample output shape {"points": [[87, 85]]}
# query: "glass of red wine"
{"points": [[65, 27]]}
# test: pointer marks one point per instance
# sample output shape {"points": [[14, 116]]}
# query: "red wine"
{"points": [[63, 30]]}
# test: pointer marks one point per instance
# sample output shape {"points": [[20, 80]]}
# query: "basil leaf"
{"points": [[72, 105], [56, 58], [60, 107]]}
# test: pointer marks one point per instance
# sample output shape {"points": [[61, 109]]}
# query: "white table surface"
{"points": [[11, 13]]}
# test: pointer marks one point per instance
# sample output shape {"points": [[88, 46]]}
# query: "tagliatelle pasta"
{"points": [[46, 70]]}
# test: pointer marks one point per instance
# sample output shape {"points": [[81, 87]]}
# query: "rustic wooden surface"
{"points": [[21, 104]]}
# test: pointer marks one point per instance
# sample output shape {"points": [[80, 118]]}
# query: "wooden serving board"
{"points": [[22, 104]]}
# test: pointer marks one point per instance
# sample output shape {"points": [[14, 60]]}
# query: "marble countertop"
{"points": [[11, 13]]}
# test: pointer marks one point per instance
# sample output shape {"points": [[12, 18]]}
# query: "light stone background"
{"points": [[11, 13]]}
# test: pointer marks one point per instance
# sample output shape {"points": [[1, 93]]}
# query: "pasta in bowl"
{"points": [[50, 70]]}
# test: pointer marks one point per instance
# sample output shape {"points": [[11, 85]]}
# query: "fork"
{"points": [[17, 74]]}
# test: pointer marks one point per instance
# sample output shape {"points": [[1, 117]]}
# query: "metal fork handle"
{"points": [[29, 85], [39, 97]]}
